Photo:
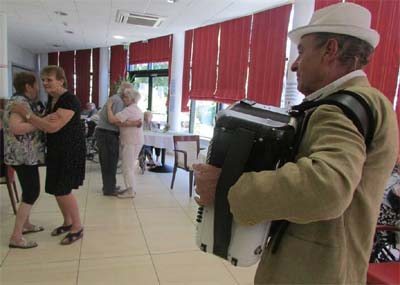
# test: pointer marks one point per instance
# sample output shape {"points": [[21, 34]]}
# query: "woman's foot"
{"points": [[60, 230], [32, 229], [22, 243], [72, 237], [128, 194]]}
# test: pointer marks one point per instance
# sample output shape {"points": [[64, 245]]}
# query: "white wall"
{"points": [[22, 58]]}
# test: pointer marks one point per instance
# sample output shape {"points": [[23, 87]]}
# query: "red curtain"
{"points": [[384, 66], [323, 3], [67, 62], [169, 70], [83, 75], [204, 62], [53, 58], [233, 57], [117, 63], [186, 71], [96, 74], [154, 50], [267, 55]]}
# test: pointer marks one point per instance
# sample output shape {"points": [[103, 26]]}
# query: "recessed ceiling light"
{"points": [[171, 1], [60, 13], [118, 37], [69, 32]]}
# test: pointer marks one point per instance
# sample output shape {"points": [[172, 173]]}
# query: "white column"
{"points": [[175, 99], [4, 68], [104, 78], [43, 62], [302, 13]]}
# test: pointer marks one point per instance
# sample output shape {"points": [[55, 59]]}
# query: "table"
{"points": [[164, 141]]}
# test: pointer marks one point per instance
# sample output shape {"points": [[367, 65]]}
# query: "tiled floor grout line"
{"points": [[83, 223], [145, 240]]}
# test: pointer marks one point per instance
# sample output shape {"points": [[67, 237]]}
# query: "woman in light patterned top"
{"points": [[24, 151]]}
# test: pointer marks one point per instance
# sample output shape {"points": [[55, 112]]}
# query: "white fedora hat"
{"points": [[342, 18]]}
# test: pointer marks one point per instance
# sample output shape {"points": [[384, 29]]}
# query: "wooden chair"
{"points": [[7, 176], [186, 149]]}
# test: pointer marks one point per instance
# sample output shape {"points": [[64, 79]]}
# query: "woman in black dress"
{"points": [[65, 158]]}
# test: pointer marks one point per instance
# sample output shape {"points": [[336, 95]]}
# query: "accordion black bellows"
{"points": [[247, 137]]}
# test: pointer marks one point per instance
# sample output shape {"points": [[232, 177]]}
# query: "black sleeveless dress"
{"points": [[66, 150]]}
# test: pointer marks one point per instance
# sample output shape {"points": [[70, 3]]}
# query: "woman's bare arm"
{"points": [[18, 126], [51, 123]]}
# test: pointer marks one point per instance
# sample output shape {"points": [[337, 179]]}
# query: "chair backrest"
{"points": [[189, 144]]}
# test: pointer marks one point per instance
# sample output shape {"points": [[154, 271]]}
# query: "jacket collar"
{"points": [[357, 76]]}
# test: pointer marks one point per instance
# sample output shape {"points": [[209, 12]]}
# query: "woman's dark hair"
{"points": [[23, 78]]}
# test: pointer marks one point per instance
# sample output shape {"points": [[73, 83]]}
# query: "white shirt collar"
{"points": [[328, 89]]}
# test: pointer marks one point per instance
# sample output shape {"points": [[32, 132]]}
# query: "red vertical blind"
{"points": [[323, 3], [233, 57], [384, 66], [204, 62], [96, 75], [186, 71], [398, 117], [53, 58], [154, 50], [83, 75], [267, 55], [67, 62], [117, 63]]}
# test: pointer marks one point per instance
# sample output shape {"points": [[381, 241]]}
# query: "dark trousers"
{"points": [[108, 145], [28, 176]]}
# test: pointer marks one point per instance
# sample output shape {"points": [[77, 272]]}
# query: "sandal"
{"points": [[60, 230], [34, 229], [23, 244], [72, 237]]}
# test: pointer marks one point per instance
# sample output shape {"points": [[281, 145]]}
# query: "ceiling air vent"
{"points": [[147, 20]]}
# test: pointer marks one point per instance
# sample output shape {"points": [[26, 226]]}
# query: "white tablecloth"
{"points": [[160, 139]]}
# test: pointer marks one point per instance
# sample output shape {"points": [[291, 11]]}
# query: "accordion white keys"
{"points": [[247, 137]]}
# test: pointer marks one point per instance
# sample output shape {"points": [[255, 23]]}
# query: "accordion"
{"points": [[247, 137]]}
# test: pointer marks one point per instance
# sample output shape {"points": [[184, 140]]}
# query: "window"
{"points": [[152, 84], [204, 118], [149, 66]]}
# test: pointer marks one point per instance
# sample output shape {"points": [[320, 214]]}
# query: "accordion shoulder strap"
{"points": [[352, 105], [233, 167]]}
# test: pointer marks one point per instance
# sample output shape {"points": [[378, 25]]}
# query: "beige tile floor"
{"points": [[147, 240]]}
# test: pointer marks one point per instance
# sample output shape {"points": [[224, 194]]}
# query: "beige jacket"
{"points": [[331, 196]]}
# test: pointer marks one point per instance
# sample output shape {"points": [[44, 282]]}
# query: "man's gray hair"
{"points": [[354, 53], [123, 86], [132, 94]]}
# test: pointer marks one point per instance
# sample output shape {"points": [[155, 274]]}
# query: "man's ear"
{"points": [[331, 50]]}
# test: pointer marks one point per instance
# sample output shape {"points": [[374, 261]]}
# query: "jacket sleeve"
{"points": [[319, 186]]}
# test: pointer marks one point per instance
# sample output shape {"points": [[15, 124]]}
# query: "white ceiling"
{"points": [[33, 25]]}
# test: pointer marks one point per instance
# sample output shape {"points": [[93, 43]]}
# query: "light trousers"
{"points": [[130, 154]]}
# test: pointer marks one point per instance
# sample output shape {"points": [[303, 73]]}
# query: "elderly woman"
{"points": [[131, 138], [65, 142], [24, 150]]}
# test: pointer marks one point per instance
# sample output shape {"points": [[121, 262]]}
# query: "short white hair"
{"points": [[123, 86], [132, 94]]}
